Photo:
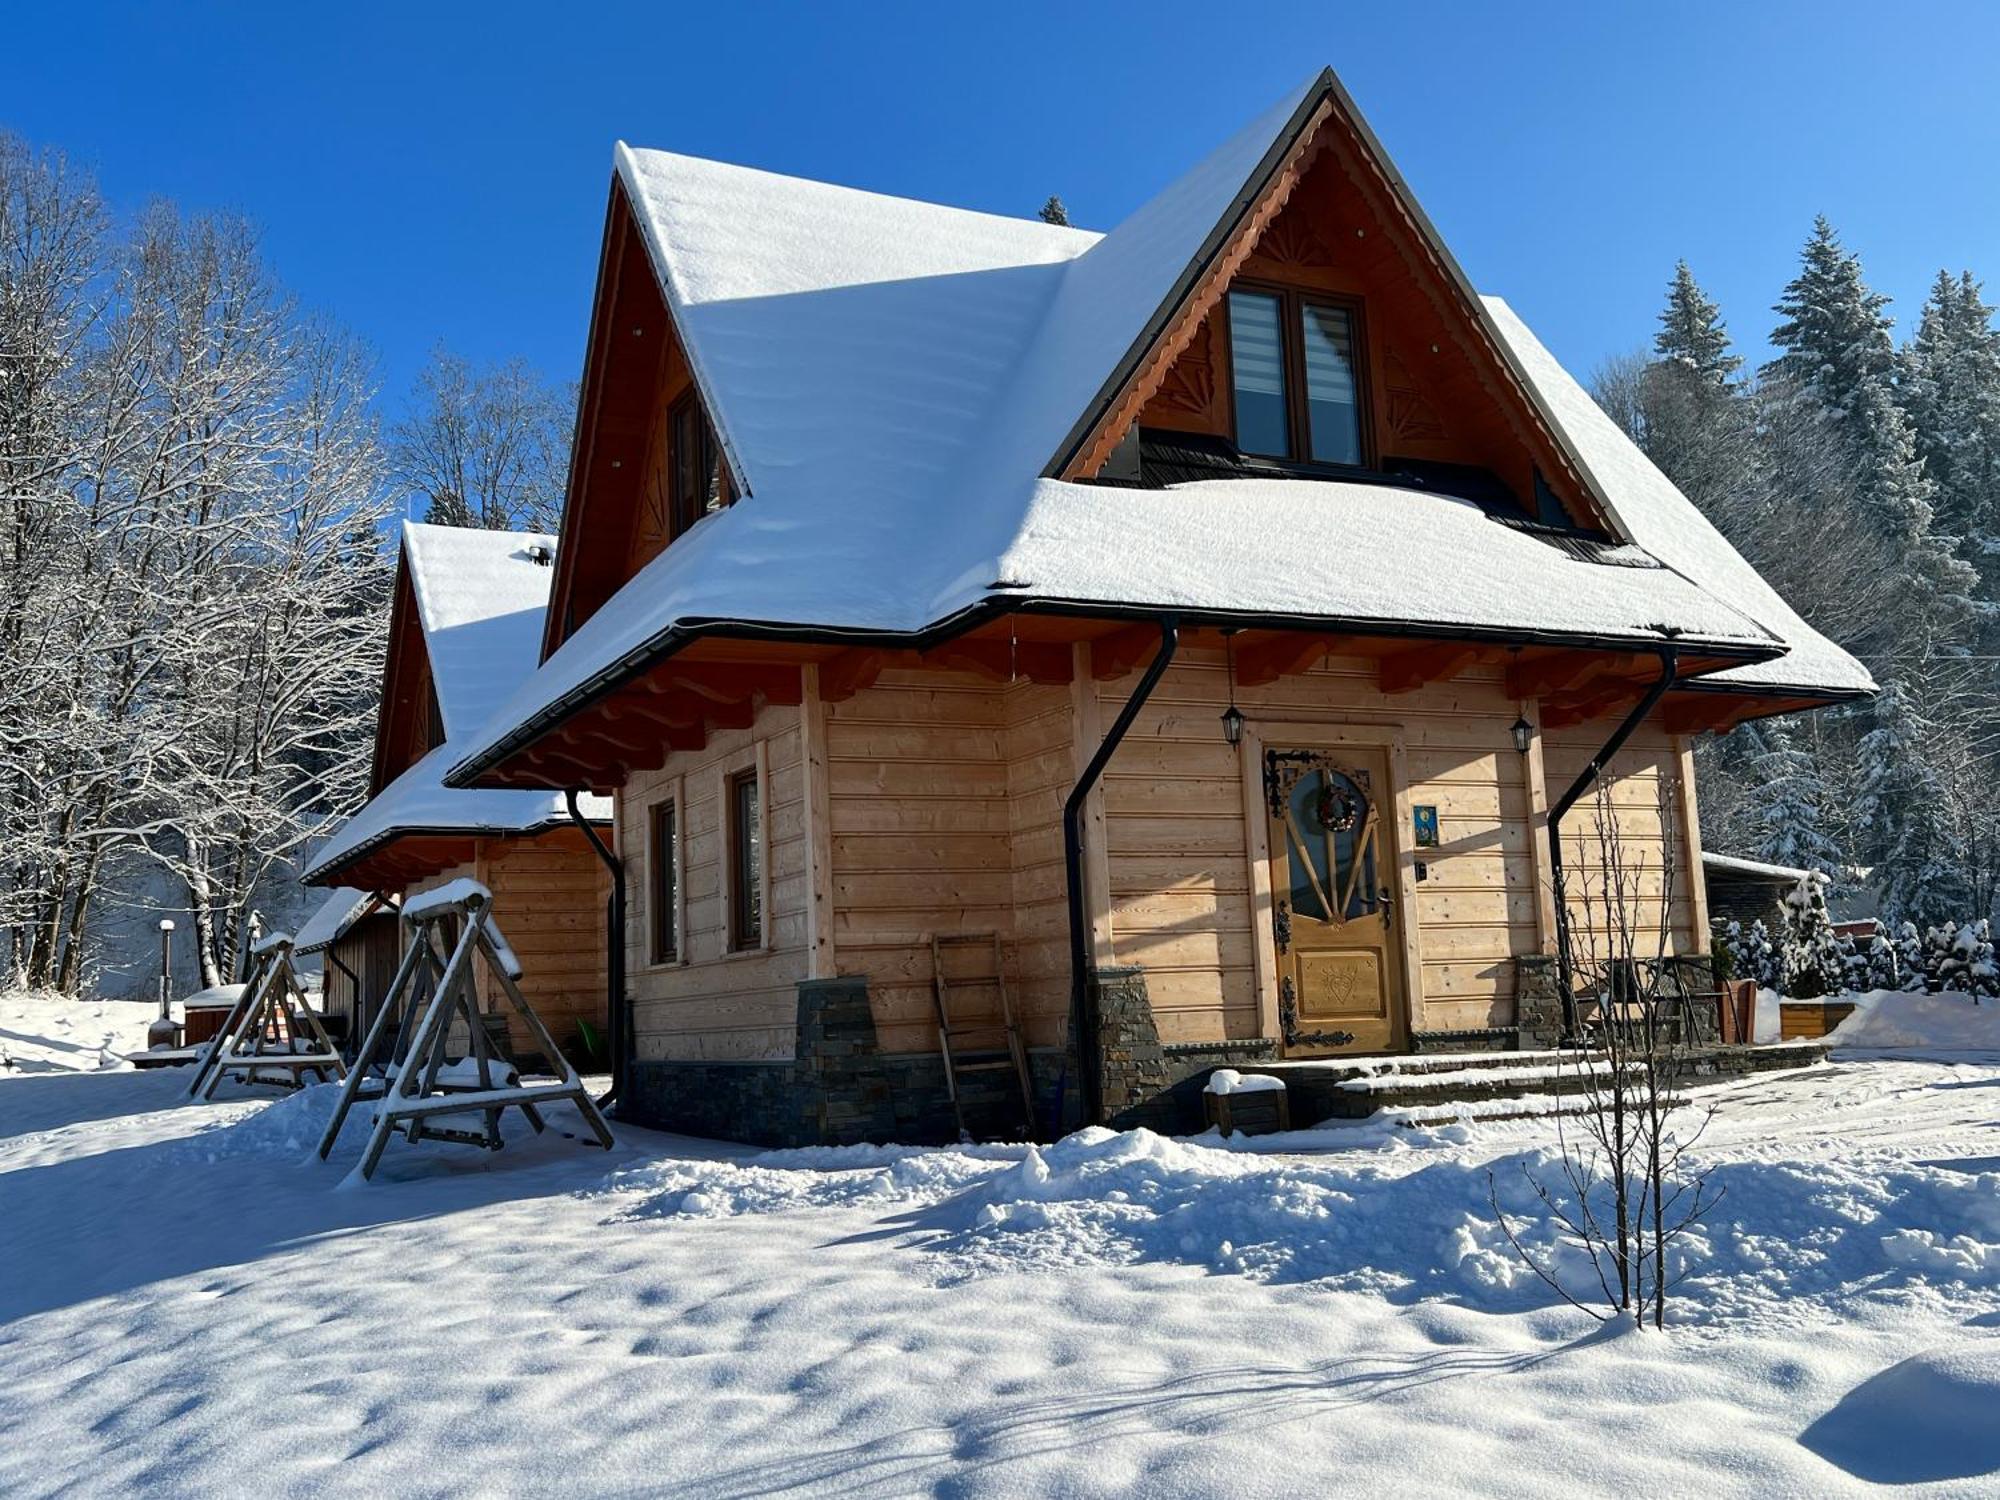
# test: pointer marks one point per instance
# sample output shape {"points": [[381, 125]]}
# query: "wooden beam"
{"points": [[1406, 671], [1579, 708], [1282, 655], [1114, 655], [1541, 677], [844, 675], [1007, 661], [733, 682]]}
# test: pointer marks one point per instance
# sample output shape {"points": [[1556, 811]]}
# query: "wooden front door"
{"points": [[1333, 867]]}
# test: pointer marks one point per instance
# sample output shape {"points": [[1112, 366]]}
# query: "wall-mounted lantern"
{"points": [[1523, 732], [1232, 716]]}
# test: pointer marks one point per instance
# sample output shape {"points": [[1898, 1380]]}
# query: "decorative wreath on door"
{"points": [[1337, 808]]}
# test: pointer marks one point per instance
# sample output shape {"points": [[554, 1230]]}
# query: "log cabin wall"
{"points": [[945, 806], [1649, 795], [713, 1004], [1179, 878], [548, 897]]}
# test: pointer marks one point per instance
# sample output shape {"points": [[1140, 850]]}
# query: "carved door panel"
{"points": [[1332, 880]]}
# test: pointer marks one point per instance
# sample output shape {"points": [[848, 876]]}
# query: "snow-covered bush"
{"points": [[1814, 962]]}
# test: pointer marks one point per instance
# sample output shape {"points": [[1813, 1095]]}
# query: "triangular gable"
{"points": [[465, 625], [1323, 148]]}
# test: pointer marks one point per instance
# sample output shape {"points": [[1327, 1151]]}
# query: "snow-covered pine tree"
{"points": [[1880, 969], [1981, 968], [1941, 965], [1902, 808], [1813, 963], [1692, 335], [1837, 357], [1910, 958], [1053, 211], [1757, 958], [1782, 809], [1951, 389]]}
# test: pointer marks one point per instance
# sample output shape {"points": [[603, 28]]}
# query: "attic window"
{"points": [[1296, 376], [700, 478]]}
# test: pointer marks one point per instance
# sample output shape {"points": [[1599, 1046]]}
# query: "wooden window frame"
{"points": [[684, 509], [1292, 303], [753, 764], [666, 923]]}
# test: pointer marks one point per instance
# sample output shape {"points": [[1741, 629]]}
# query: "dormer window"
{"points": [[1296, 365], [700, 480]]}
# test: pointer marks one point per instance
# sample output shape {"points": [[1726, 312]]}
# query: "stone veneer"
{"points": [[839, 1089]]}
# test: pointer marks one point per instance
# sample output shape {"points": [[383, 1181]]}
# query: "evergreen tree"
{"points": [[1951, 388], [1910, 958], [1835, 337], [1813, 963], [1757, 958], [1902, 806], [448, 508], [1783, 808], [1053, 211], [1692, 335], [1838, 360]]}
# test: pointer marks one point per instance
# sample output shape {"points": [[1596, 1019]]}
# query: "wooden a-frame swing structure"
{"points": [[271, 1034], [419, 1091]]}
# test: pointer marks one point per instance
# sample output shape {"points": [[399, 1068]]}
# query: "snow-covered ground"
{"points": [[188, 1306]]}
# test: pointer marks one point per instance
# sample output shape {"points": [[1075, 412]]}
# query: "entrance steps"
{"points": [[1441, 1088]]}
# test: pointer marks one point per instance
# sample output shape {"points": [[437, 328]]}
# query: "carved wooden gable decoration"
{"points": [[1333, 220]]}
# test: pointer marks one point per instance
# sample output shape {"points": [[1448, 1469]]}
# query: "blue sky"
{"points": [[432, 172]]}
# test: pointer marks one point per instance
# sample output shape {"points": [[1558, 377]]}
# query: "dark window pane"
{"points": [[1333, 402], [666, 885], [1257, 359], [746, 841]]}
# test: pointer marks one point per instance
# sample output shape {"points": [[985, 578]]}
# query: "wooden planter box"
{"points": [[1262, 1112], [1811, 1018]]}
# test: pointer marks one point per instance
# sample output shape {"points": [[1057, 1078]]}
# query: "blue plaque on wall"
{"points": [[1426, 818]]}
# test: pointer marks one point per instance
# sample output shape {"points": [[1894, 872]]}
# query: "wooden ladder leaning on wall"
{"points": [[952, 1031], [418, 1086], [261, 1036]]}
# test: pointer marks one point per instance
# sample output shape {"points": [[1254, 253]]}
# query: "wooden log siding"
{"points": [[1180, 891], [943, 801], [1650, 763], [714, 1004], [548, 898], [935, 781]]}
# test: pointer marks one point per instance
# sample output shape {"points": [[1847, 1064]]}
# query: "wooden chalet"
{"points": [[465, 629], [1223, 613], [358, 939]]}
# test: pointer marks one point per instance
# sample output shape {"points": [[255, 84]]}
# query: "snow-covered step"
{"points": [[1355, 1088]]}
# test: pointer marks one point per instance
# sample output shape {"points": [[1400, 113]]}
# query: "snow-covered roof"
{"points": [[1648, 508], [418, 802], [343, 907], [480, 597], [1729, 864], [894, 380]]}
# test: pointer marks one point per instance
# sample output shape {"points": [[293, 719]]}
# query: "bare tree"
{"points": [[1625, 1188], [188, 466], [486, 447]]}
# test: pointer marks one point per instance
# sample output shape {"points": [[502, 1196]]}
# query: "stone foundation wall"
{"points": [[841, 1090]]}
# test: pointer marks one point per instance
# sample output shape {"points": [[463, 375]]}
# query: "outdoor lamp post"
{"points": [[163, 1032]]}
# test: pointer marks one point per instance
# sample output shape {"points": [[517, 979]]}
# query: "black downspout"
{"points": [[1669, 667], [617, 1014], [1082, 1009], [357, 1026]]}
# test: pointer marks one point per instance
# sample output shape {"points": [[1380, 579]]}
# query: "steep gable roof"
{"points": [[900, 387], [478, 598]]}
